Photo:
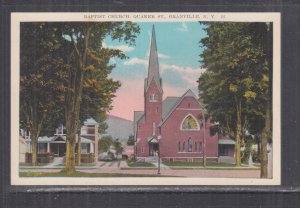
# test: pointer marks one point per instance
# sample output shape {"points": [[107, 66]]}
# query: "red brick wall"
{"points": [[171, 133], [153, 113]]}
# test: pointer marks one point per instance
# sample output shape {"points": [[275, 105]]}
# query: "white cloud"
{"points": [[136, 60], [188, 74], [162, 56], [124, 48], [183, 27]]}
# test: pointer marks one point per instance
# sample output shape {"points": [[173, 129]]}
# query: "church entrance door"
{"points": [[153, 149]]}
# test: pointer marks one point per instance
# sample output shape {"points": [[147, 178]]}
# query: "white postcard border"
{"points": [[16, 18]]}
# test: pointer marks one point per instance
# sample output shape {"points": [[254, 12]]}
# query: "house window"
{"points": [[190, 145], [153, 97], [42, 147], [183, 147], [178, 147], [153, 128], [200, 146], [196, 147], [85, 148], [190, 123], [223, 150], [90, 129]]}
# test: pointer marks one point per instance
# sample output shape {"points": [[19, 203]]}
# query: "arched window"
{"points": [[178, 147], [190, 123], [183, 147], [190, 145], [196, 147]]}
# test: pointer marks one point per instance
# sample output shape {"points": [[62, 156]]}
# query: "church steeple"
{"points": [[153, 70]]}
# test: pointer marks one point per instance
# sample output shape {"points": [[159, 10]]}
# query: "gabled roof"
{"points": [[90, 121], [167, 105], [46, 139], [172, 103]]}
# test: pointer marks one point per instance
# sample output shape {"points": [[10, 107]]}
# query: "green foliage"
{"points": [[247, 151], [130, 140], [236, 58], [66, 65], [118, 147], [104, 143], [236, 85]]}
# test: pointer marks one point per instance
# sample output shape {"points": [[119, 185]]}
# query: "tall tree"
{"points": [[98, 91], [86, 43], [41, 82], [233, 83]]}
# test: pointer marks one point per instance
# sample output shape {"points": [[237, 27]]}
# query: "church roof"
{"points": [[170, 103], [153, 69], [138, 115]]}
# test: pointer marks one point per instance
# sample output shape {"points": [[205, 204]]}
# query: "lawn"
{"points": [[139, 164], [30, 164], [198, 164], [82, 174]]}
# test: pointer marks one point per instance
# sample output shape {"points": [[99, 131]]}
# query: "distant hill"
{"points": [[118, 128]]}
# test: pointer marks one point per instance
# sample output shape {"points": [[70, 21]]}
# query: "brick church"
{"points": [[176, 125]]}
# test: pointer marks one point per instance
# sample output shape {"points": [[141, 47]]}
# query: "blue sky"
{"points": [[178, 54]]}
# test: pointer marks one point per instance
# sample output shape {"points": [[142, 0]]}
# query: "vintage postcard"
{"points": [[145, 99]]}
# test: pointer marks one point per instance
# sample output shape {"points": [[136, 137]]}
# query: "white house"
{"points": [[56, 144]]}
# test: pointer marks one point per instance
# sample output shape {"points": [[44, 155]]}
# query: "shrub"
{"points": [[45, 157], [86, 158]]}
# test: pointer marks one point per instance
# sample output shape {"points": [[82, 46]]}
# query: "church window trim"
{"points": [[186, 124], [190, 144], [200, 147], [153, 97]]}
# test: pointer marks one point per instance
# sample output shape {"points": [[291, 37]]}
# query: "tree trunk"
{"points": [[238, 134], [264, 144], [34, 151], [75, 85], [70, 153], [258, 147], [70, 138], [78, 146]]}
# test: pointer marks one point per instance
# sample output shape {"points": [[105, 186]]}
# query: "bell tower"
{"points": [[153, 89]]}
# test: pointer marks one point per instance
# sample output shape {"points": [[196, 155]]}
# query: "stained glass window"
{"points": [[189, 123]]}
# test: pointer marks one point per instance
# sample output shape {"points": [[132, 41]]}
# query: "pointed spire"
{"points": [[153, 70]]}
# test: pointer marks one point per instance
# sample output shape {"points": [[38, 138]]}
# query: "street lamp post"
{"points": [[158, 171], [204, 145]]}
